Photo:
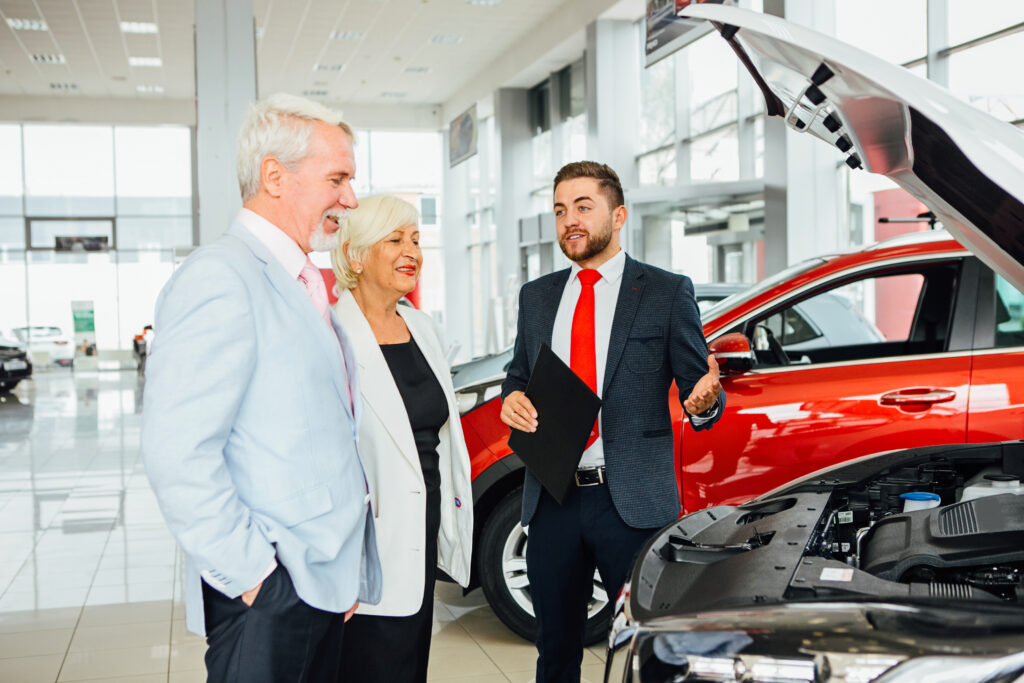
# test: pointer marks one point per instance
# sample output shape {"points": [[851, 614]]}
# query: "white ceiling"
{"points": [[394, 59]]}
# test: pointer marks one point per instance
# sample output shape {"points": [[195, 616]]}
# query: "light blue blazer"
{"points": [[248, 438]]}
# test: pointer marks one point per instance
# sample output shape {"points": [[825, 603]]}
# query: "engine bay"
{"points": [[938, 523], [967, 544]]}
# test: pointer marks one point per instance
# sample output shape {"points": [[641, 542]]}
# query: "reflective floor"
{"points": [[90, 578]]}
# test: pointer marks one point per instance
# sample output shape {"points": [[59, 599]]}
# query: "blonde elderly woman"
{"points": [[410, 440]]}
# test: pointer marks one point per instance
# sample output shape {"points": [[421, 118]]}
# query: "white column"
{"points": [[225, 85], [613, 89]]}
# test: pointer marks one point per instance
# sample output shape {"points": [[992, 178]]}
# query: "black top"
{"points": [[425, 403]]}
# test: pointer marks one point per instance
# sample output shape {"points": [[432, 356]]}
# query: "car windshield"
{"points": [[734, 300]]}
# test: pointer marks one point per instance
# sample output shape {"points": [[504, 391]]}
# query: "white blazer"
{"points": [[392, 463]]}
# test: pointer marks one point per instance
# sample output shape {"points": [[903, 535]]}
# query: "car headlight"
{"points": [[957, 670], [721, 657], [473, 397]]}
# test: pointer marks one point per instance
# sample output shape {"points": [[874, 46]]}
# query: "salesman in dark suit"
{"points": [[627, 329]]}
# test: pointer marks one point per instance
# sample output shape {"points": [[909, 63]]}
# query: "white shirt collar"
{"points": [[285, 250], [611, 270]]}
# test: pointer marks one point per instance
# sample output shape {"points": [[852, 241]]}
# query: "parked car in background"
{"points": [[14, 364], [49, 340]]}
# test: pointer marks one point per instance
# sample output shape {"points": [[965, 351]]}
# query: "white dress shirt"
{"points": [[606, 294]]}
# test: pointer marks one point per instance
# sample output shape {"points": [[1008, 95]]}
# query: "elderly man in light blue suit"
{"points": [[251, 409]]}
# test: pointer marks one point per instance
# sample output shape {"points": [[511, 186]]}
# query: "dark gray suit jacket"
{"points": [[656, 337]]}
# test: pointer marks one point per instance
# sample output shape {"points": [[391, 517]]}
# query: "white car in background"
{"points": [[49, 340]]}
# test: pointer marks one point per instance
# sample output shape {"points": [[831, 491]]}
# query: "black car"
{"points": [[14, 364], [901, 567]]}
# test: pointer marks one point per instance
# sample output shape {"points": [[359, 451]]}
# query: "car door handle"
{"points": [[917, 395]]}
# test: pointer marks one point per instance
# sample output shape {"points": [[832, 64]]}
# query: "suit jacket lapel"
{"points": [[548, 308], [630, 292], [297, 299], [378, 387]]}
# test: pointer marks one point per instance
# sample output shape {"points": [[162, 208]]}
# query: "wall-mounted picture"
{"points": [[462, 137]]}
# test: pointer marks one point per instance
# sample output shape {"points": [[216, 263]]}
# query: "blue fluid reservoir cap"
{"points": [[919, 495]]}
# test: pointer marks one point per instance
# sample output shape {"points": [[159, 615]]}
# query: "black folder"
{"points": [[566, 411]]}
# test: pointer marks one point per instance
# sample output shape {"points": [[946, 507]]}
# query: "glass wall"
{"points": [[90, 213], [408, 164], [702, 123]]}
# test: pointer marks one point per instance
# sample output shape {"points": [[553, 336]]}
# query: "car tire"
{"points": [[501, 566]]}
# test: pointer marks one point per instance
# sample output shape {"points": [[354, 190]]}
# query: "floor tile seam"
{"points": [[78, 621], [484, 650]]}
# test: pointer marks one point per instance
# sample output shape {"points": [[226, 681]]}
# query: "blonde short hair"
{"points": [[279, 126], [375, 218]]}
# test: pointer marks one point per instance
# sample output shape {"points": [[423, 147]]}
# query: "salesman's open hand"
{"points": [[705, 391], [518, 412]]}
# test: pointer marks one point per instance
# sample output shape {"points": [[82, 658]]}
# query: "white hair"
{"points": [[278, 126], [375, 218]]}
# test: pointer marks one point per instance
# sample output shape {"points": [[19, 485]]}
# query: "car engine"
{"points": [[970, 545]]}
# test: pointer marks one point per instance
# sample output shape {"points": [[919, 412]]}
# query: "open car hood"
{"points": [[965, 165]]}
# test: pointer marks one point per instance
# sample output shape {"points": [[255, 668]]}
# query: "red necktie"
{"points": [[582, 354]]}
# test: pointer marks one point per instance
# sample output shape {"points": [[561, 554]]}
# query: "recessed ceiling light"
{"points": [[49, 59], [138, 27], [442, 39], [417, 69], [347, 35], [314, 93], [328, 67], [145, 61], [149, 89], [483, 3], [64, 87], [393, 94], [27, 24]]}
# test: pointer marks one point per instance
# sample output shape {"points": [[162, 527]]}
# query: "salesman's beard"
{"points": [[596, 242], [319, 240]]}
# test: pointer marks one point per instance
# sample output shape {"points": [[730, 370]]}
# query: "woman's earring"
{"points": [[358, 271]]}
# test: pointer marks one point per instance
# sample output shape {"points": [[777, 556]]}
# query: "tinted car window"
{"points": [[873, 317], [1009, 319]]}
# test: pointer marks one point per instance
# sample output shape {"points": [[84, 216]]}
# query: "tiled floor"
{"points": [[90, 585]]}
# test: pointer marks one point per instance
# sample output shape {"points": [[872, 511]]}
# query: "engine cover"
{"points": [[979, 531]]}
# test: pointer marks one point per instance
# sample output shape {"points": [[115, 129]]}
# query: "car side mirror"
{"points": [[733, 354]]}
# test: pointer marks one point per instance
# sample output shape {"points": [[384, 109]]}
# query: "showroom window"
{"points": [[657, 161], [100, 226], [894, 31], [975, 76], [408, 164]]}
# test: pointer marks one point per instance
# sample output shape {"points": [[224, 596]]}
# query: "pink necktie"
{"points": [[311, 277], [317, 290]]}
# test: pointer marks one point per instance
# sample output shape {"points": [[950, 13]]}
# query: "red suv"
{"points": [[911, 342]]}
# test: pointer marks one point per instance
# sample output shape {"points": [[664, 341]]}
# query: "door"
{"points": [[860, 365], [996, 403]]}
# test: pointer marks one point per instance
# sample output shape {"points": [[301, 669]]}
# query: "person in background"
{"points": [[417, 466], [252, 409], [628, 330]]}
